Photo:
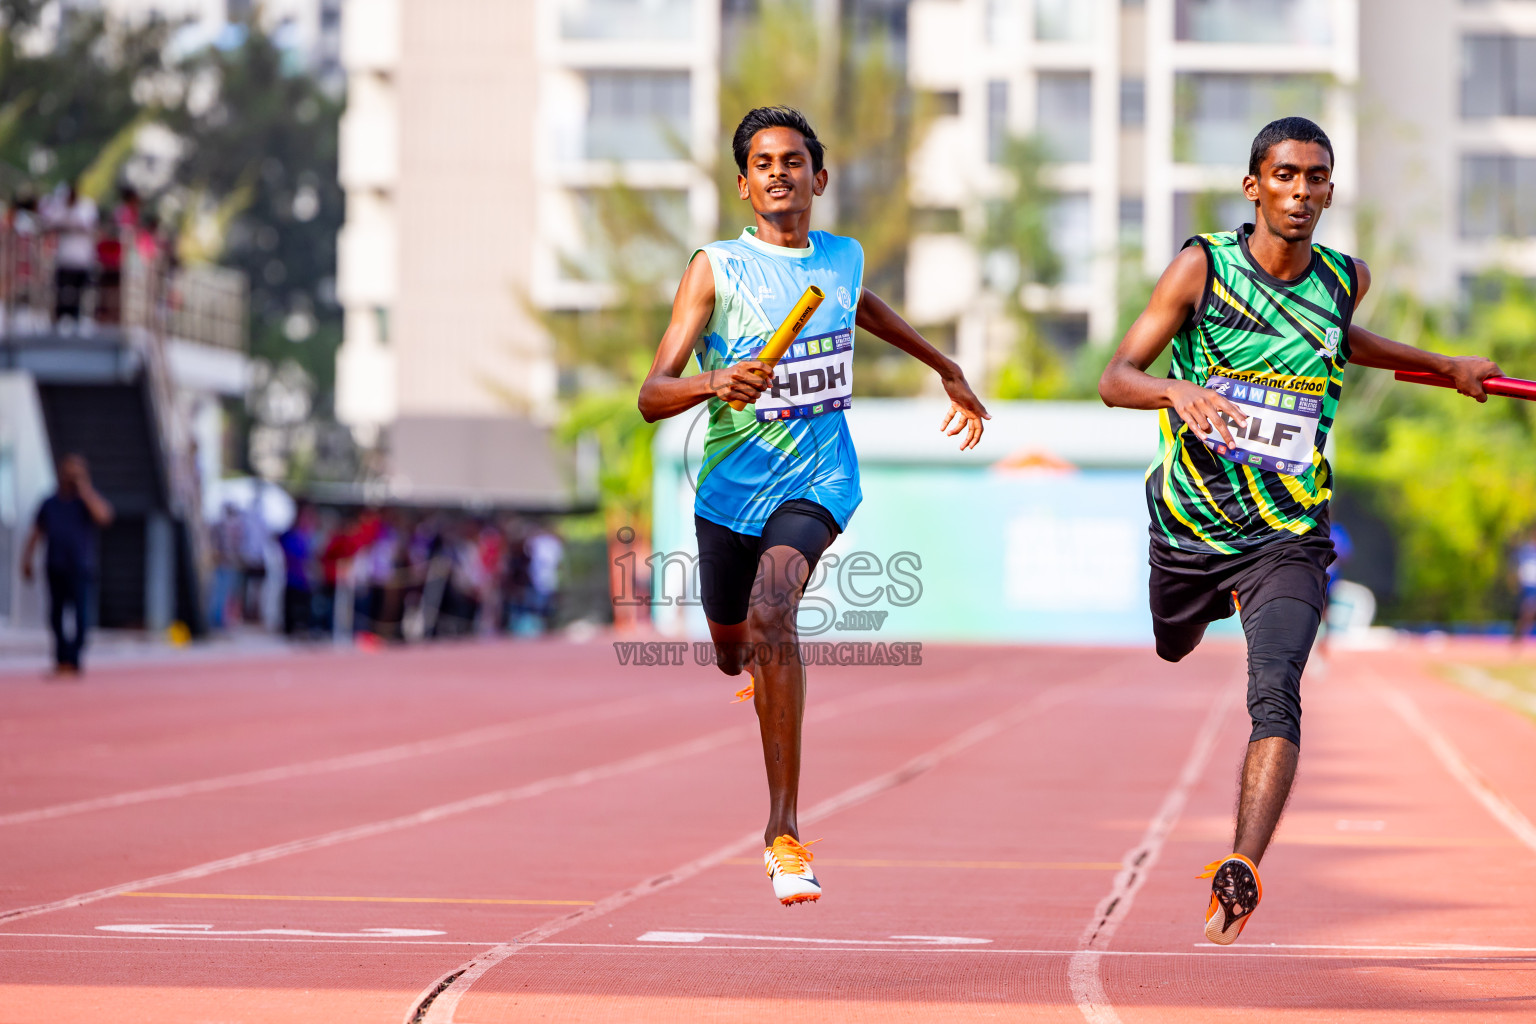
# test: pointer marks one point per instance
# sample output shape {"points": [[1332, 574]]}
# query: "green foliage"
{"points": [[606, 351], [1017, 241], [852, 87], [1455, 480], [67, 105], [265, 157]]}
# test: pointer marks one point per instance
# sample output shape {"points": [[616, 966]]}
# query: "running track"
{"points": [[324, 837]]}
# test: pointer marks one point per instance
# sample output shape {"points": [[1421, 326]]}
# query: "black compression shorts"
{"points": [[1283, 590], [728, 560]]}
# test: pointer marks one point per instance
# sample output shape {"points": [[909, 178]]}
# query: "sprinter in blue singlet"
{"points": [[780, 479]]}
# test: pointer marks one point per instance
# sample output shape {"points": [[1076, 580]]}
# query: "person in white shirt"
{"points": [[71, 218]]}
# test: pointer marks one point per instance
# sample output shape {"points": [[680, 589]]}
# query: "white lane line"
{"points": [[446, 1003], [894, 940], [1410, 953], [1494, 802], [199, 930], [613, 769], [1083, 976], [346, 762], [1484, 684]]}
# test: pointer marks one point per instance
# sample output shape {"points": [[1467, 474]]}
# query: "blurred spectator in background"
{"points": [[23, 231], [298, 544], [253, 539], [517, 583], [1525, 580], [545, 552], [225, 536], [69, 522], [71, 219], [128, 217]]}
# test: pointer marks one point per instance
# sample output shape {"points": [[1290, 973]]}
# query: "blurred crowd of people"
{"points": [[390, 575], [62, 262]]}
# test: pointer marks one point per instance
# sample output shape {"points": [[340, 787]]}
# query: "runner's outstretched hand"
{"points": [[1469, 372], [743, 382], [1204, 409], [965, 412]]}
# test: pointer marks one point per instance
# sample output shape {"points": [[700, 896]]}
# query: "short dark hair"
{"points": [[762, 118], [1286, 129]]}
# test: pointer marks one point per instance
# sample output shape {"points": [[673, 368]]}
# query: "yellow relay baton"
{"points": [[788, 331]]}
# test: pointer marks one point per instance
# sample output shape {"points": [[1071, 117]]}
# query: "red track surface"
{"points": [[608, 871]]}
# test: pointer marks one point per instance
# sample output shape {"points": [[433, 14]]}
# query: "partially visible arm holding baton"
{"points": [[1466, 374]]}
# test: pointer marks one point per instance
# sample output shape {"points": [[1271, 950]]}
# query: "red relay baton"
{"points": [[1509, 387]]}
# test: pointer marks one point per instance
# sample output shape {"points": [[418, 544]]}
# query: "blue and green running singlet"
{"points": [[794, 443], [1277, 349]]}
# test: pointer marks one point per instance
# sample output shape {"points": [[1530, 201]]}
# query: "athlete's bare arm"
{"points": [[665, 391], [1125, 381], [1370, 349], [965, 409]]}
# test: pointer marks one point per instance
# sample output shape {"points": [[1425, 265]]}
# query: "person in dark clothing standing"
{"points": [[69, 521]]}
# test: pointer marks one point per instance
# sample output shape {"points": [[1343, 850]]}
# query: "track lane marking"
{"points": [[445, 1000], [344, 762], [999, 865], [1083, 975], [1460, 769], [895, 940], [1475, 954], [585, 776], [355, 899]]}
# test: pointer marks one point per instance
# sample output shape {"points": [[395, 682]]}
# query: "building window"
{"points": [[1070, 223], [945, 103], [1498, 197], [1498, 76], [1133, 102], [936, 220], [626, 19], [637, 115], [997, 120], [1065, 332], [1004, 23], [1063, 21], [1132, 220], [1064, 114], [627, 237], [1288, 22], [1200, 213], [1217, 115]]}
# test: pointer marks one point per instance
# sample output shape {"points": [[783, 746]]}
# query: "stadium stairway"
{"points": [[107, 397]]}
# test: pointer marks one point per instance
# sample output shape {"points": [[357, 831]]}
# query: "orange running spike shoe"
{"points": [[746, 692], [788, 863], [1235, 895]]}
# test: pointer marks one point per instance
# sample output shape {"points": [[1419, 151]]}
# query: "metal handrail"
{"points": [[203, 304]]}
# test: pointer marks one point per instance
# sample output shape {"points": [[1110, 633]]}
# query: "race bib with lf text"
{"points": [[1281, 434], [813, 378]]}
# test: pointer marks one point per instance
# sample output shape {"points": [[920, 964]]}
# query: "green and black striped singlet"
{"points": [[1285, 336]]}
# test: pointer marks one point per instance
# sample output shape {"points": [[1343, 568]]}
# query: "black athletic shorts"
{"points": [[1283, 590], [1191, 588], [728, 560]]}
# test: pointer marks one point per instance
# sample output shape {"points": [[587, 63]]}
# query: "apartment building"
{"points": [[475, 135], [1448, 139], [307, 31], [1146, 110]]}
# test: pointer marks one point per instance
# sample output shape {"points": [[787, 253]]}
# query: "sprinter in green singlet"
{"points": [[1260, 320]]}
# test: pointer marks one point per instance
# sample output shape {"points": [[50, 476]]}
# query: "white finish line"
{"points": [[894, 940], [200, 930]]}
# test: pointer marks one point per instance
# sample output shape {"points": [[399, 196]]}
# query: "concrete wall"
{"points": [[26, 478], [464, 343], [1410, 52]]}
